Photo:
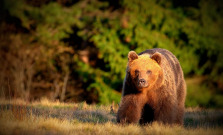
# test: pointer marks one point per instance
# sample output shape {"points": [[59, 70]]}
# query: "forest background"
{"points": [[76, 50]]}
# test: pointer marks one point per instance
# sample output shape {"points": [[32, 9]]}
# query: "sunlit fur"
{"points": [[162, 99], [143, 64]]}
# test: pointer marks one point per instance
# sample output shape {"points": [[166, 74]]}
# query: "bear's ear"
{"points": [[157, 57], [132, 56]]}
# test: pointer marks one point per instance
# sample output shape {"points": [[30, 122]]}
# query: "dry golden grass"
{"points": [[45, 117]]}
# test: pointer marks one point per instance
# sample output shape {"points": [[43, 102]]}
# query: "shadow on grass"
{"points": [[94, 116], [203, 118]]}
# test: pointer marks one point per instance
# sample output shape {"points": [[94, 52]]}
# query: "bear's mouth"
{"points": [[141, 87]]}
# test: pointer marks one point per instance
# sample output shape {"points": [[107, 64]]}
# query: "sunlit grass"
{"points": [[46, 117], [45, 103]]}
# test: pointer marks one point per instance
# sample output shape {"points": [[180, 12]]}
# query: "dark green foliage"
{"points": [[89, 41]]}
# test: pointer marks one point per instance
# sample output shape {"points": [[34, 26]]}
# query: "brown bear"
{"points": [[154, 89]]}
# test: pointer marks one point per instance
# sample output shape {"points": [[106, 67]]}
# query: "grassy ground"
{"points": [[52, 118]]}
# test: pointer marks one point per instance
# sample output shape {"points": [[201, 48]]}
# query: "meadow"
{"points": [[52, 118]]}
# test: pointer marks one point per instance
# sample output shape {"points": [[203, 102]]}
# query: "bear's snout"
{"points": [[142, 83]]}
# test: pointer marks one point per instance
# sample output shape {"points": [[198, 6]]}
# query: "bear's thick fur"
{"points": [[154, 89]]}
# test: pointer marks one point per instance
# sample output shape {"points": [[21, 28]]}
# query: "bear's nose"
{"points": [[142, 82]]}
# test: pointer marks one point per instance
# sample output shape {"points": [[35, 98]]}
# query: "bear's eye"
{"points": [[149, 72], [136, 72]]}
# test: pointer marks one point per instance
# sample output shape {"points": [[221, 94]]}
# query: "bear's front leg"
{"points": [[166, 113], [130, 109]]}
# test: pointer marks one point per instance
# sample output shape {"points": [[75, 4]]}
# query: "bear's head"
{"points": [[145, 70]]}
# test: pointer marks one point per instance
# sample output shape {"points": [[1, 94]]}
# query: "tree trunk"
{"points": [[62, 97]]}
